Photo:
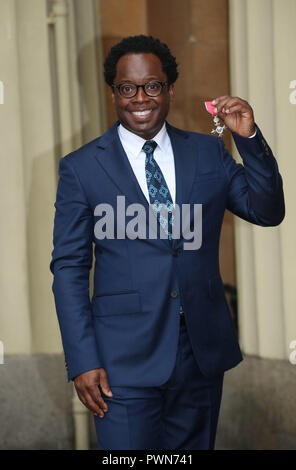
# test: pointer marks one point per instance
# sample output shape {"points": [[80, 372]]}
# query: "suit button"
{"points": [[174, 294], [175, 252]]}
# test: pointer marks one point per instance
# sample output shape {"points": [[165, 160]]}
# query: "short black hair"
{"points": [[140, 44]]}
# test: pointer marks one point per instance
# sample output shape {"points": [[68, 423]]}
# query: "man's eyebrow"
{"points": [[146, 79]]}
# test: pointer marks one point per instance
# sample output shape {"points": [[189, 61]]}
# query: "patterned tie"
{"points": [[158, 190], [159, 193]]}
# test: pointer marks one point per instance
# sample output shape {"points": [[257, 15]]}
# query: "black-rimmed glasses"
{"points": [[129, 90]]}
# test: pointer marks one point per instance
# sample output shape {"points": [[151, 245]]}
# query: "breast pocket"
{"points": [[117, 304]]}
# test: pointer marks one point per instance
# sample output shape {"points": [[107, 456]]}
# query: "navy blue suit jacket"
{"points": [[130, 326]]}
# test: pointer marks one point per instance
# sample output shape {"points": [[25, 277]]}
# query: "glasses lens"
{"points": [[127, 90], [153, 88]]}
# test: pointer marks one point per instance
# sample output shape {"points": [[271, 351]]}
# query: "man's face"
{"points": [[139, 69]]}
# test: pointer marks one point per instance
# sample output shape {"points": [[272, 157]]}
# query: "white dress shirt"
{"points": [[163, 154]]}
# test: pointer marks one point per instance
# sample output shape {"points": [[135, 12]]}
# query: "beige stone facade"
{"points": [[52, 100]]}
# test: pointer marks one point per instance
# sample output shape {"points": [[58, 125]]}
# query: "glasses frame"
{"points": [[140, 86]]}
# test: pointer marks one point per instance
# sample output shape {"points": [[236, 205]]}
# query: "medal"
{"points": [[219, 129]]}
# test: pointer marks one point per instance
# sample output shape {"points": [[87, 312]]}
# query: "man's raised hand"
{"points": [[236, 113]]}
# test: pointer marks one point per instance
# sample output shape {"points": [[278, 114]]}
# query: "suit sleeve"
{"points": [[71, 263], [255, 188]]}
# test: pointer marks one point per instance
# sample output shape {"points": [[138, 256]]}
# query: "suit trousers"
{"points": [[180, 414]]}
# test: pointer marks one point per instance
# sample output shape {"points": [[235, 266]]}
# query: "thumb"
{"points": [[104, 383]]}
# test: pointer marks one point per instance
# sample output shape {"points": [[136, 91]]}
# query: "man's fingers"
{"points": [[224, 103], [104, 384], [96, 406], [97, 398], [236, 108], [219, 98], [227, 103]]}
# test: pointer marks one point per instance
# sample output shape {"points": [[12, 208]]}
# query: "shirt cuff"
{"points": [[251, 136]]}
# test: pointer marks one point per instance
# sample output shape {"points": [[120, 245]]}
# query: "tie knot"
{"points": [[149, 146]]}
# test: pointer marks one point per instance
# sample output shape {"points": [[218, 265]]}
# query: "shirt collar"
{"points": [[134, 143]]}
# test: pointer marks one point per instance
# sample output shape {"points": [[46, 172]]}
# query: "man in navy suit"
{"points": [[148, 352]]}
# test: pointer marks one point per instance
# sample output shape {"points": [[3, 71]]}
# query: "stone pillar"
{"points": [[90, 69], [37, 117], [267, 258], [243, 231], [260, 73], [284, 44], [59, 16], [15, 326]]}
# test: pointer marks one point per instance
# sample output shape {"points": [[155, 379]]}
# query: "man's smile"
{"points": [[142, 113]]}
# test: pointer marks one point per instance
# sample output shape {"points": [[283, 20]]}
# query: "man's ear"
{"points": [[171, 91], [113, 97]]}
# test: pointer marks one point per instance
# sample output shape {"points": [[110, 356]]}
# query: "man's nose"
{"points": [[141, 95]]}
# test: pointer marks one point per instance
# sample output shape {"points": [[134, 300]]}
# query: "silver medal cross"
{"points": [[219, 129]]}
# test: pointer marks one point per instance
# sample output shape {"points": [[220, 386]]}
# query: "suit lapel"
{"points": [[113, 159], [185, 157]]}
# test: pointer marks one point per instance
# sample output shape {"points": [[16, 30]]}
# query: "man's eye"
{"points": [[152, 86], [126, 88]]}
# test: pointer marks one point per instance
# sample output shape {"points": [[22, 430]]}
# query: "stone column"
{"points": [[15, 325], [89, 68], [267, 256], [243, 232], [59, 16], [260, 72], [37, 116], [284, 46]]}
